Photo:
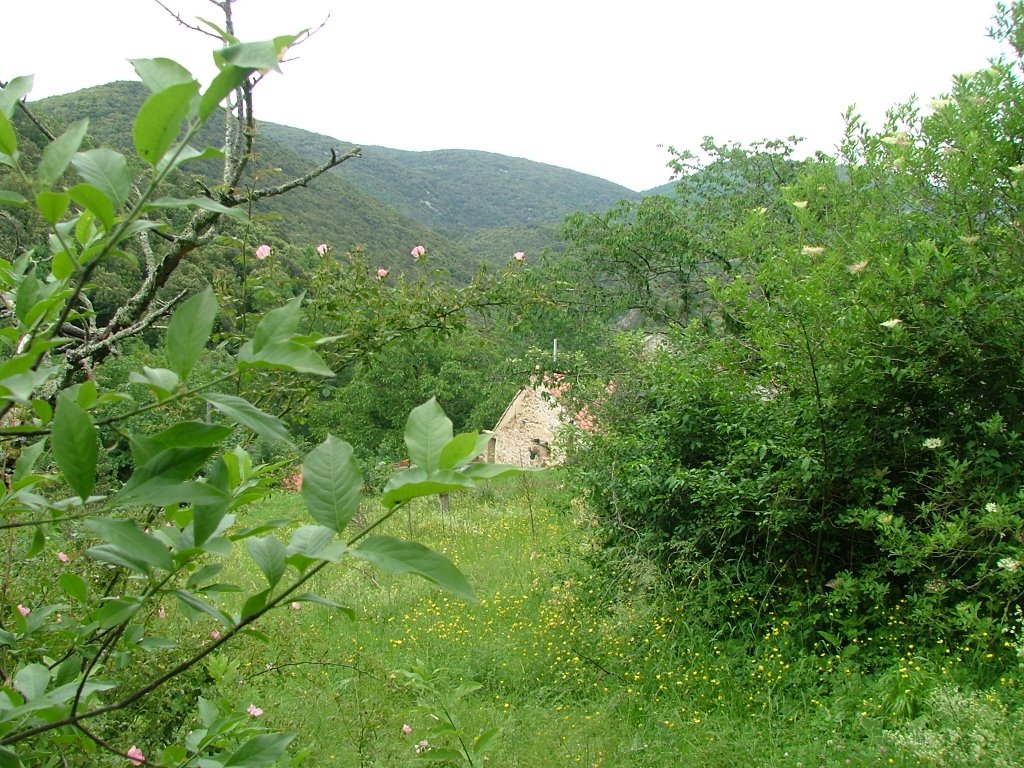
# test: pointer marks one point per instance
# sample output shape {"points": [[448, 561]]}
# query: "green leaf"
{"points": [[74, 446], [248, 415], [415, 483], [462, 449], [27, 459], [106, 170], [53, 205], [187, 154], [277, 325], [161, 381], [32, 681], [126, 535], [265, 749], [160, 74], [188, 331], [396, 556], [229, 78], [196, 202], [16, 89], [59, 153], [486, 740], [198, 604], [8, 138], [284, 355], [254, 603], [116, 610], [163, 479], [330, 483], [264, 54], [37, 543], [309, 597], [206, 519], [95, 200], [159, 121], [316, 542], [191, 434], [9, 759], [74, 586], [12, 199], [427, 431], [485, 471], [269, 555]]}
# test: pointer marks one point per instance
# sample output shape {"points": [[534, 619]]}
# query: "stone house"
{"points": [[524, 435]]}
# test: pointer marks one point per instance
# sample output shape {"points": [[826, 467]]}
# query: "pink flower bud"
{"points": [[62, 556], [215, 635], [382, 273], [135, 755], [296, 605], [418, 251], [519, 256], [323, 249], [23, 610], [254, 710], [263, 251], [406, 729]]}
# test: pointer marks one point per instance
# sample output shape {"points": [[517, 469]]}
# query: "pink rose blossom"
{"points": [[23, 610], [407, 729], [135, 755], [215, 635], [382, 273], [418, 251], [519, 256], [254, 710], [323, 249], [62, 556], [263, 251]]}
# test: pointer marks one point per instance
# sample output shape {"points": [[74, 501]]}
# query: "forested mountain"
{"points": [[455, 190], [467, 207]]}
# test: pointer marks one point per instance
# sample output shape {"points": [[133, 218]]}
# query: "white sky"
{"points": [[590, 85]]}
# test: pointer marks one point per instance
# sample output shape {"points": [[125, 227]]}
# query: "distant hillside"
{"points": [[467, 207], [457, 190], [331, 209], [665, 189]]}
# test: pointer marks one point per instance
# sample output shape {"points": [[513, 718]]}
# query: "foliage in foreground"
{"points": [[93, 565], [836, 425]]}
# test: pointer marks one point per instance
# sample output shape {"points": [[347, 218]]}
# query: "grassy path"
{"points": [[553, 667]]}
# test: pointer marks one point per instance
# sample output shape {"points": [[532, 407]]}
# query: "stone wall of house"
{"points": [[526, 433]]}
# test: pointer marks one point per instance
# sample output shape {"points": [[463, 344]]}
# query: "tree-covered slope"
{"points": [[456, 190], [331, 209]]}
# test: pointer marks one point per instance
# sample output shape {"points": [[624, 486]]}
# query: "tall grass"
{"points": [[584, 664]]}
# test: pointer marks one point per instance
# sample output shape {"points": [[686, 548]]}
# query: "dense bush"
{"points": [[836, 430]]}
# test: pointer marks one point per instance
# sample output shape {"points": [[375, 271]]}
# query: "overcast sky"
{"points": [[591, 85]]}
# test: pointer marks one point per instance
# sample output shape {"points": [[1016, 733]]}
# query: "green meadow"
{"points": [[565, 661]]}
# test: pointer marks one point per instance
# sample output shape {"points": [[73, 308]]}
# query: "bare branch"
{"points": [[194, 27], [303, 180]]}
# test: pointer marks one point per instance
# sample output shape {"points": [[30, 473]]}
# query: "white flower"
{"points": [[892, 323], [1008, 564], [812, 250], [992, 507], [933, 443], [800, 203], [858, 267], [897, 140]]}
